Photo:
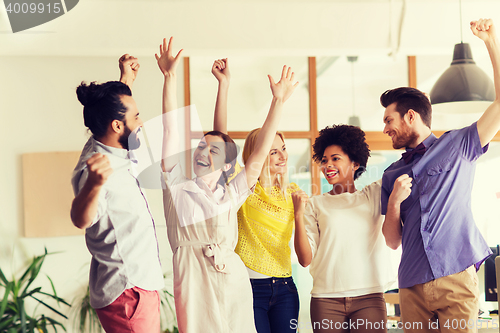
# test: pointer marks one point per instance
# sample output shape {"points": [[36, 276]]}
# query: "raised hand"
{"points": [[401, 190], [166, 61], [484, 29], [285, 86], [129, 67], [299, 199], [220, 70], [99, 169]]}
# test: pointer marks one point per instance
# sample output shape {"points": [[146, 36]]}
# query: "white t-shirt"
{"points": [[350, 257]]}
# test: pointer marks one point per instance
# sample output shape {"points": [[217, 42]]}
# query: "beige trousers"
{"points": [[361, 314], [447, 304]]}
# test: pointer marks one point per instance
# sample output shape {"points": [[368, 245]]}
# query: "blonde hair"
{"points": [[265, 177]]}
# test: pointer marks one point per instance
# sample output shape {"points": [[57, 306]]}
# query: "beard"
{"points": [[130, 139], [404, 138]]}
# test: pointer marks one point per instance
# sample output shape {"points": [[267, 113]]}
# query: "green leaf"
{"points": [[33, 272], [5, 323], [3, 306], [34, 291], [22, 312], [55, 323], [32, 268], [43, 324], [48, 306], [3, 278], [32, 325], [53, 288], [58, 299]]}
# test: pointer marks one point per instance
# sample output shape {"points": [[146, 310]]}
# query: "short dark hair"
{"points": [[231, 151], [350, 138], [408, 98], [102, 104]]}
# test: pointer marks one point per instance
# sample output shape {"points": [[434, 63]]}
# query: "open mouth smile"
{"points": [[331, 173], [202, 163]]}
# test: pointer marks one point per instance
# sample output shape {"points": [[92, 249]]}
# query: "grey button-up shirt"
{"points": [[122, 238]]}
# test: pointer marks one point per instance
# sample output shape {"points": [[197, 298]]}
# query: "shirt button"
{"points": [[416, 175], [428, 248], [425, 229]]}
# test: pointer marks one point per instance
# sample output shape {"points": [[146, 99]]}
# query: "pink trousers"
{"points": [[135, 310]]}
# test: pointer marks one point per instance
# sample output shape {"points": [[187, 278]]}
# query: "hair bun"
{"points": [[85, 93]]}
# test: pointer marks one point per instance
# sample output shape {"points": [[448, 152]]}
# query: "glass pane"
{"points": [[372, 75], [249, 94]]}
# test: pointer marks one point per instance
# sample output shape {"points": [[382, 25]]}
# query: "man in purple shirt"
{"points": [[426, 202]]}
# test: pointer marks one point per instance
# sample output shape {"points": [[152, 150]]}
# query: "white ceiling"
{"points": [[278, 27]]}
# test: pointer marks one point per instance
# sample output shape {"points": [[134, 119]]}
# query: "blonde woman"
{"points": [[265, 223]]}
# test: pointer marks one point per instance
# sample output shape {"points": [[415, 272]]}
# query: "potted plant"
{"points": [[18, 292]]}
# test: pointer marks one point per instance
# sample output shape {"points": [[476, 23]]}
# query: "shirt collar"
{"points": [[428, 142], [199, 186], [118, 152]]}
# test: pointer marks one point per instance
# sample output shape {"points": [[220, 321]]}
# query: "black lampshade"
{"points": [[463, 81]]}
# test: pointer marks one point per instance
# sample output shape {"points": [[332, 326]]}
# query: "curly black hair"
{"points": [[350, 138]]}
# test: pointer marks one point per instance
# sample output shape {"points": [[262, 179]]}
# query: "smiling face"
{"points": [[338, 169], [210, 156], [278, 157], [398, 128]]}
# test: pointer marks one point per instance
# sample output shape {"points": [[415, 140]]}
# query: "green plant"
{"points": [[167, 310], [86, 319], [13, 316]]}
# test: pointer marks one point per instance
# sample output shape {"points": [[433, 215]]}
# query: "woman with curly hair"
{"points": [[339, 233]]}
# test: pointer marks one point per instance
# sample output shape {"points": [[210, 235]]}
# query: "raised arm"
{"points": [[489, 123], [301, 243], [220, 70], [129, 67], [281, 92], [392, 227], [85, 204], [168, 66]]}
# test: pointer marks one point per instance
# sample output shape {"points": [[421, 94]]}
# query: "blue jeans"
{"points": [[275, 304]]}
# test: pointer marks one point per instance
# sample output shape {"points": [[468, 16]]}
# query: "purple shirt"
{"points": [[439, 237]]}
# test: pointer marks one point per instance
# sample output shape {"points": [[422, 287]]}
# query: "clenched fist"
{"points": [[299, 198], [99, 169], [401, 190]]}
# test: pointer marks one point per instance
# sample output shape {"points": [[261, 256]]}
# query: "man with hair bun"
{"points": [[426, 200], [125, 271]]}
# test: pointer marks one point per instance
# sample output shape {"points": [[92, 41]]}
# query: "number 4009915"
{"points": [[33, 7]]}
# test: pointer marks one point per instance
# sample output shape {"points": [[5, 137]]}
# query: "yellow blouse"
{"points": [[265, 224]]}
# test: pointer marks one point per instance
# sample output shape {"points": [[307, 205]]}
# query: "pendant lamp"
{"points": [[463, 81]]}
